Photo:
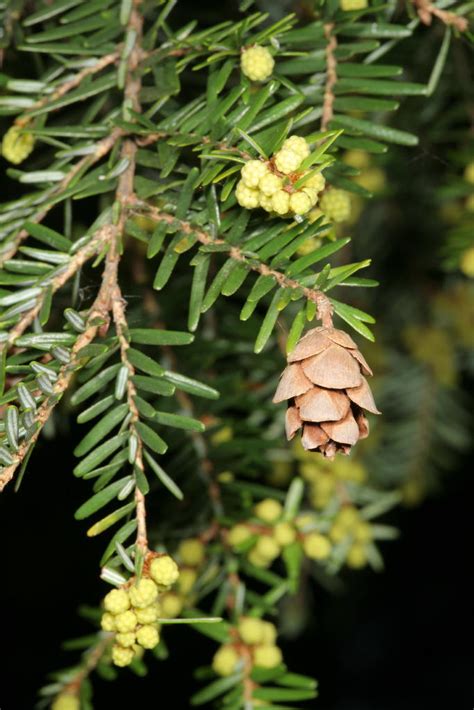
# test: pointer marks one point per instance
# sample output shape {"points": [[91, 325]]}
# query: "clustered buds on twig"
{"points": [[280, 185], [327, 392], [253, 640], [132, 612]]}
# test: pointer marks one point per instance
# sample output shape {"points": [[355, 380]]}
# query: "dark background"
{"points": [[393, 641]]}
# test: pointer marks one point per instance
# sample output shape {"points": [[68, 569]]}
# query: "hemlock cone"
{"points": [[327, 392]]}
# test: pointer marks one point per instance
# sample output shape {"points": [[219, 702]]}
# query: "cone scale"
{"points": [[326, 392]]}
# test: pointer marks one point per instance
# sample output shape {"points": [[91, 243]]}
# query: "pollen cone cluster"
{"points": [[327, 392]]}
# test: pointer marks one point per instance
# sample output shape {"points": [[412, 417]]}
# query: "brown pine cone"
{"points": [[326, 392]]}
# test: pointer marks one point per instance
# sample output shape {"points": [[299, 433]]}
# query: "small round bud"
{"points": [[300, 202], [117, 601], [362, 531], [148, 636], [149, 614], [252, 172], [171, 605], [267, 656], [266, 203], [469, 173], [281, 202], [316, 546], [66, 701], [122, 656], [316, 182], [284, 533], [251, 630], [298, 145], [466, 263], [338, 532], [269, 633], [312, 194], [357, 556], [351, 5], [269, 510], [143, 593], [258, 560], [348, 516], [107, 622], [357, 159], [186, 581], [238, 534], [287, 161], [225, 661], [246, 196], [164, 570], [191, 552], [125, 622], [270, 183], [16, 146], [267, 547], [126, 640], [257, 63], [336, 204]]}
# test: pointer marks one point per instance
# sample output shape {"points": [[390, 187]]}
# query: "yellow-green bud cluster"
{"points": [[336, 205], [258, 637], [270, 184], [16, 145], [268, 535], [256, 63], [132, 612], [351, 5], [272, 533], [349, 525]]}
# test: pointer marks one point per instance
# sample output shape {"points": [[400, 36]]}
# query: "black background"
{"points": [[399, 640]]}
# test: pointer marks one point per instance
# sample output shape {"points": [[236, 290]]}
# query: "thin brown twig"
{"points": [[124, 194], [331, 76], [426, 11], [120, 321], [91, 659], [322, 302]]}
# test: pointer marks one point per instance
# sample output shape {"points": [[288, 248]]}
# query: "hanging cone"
{"points": [[326, 392]]}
